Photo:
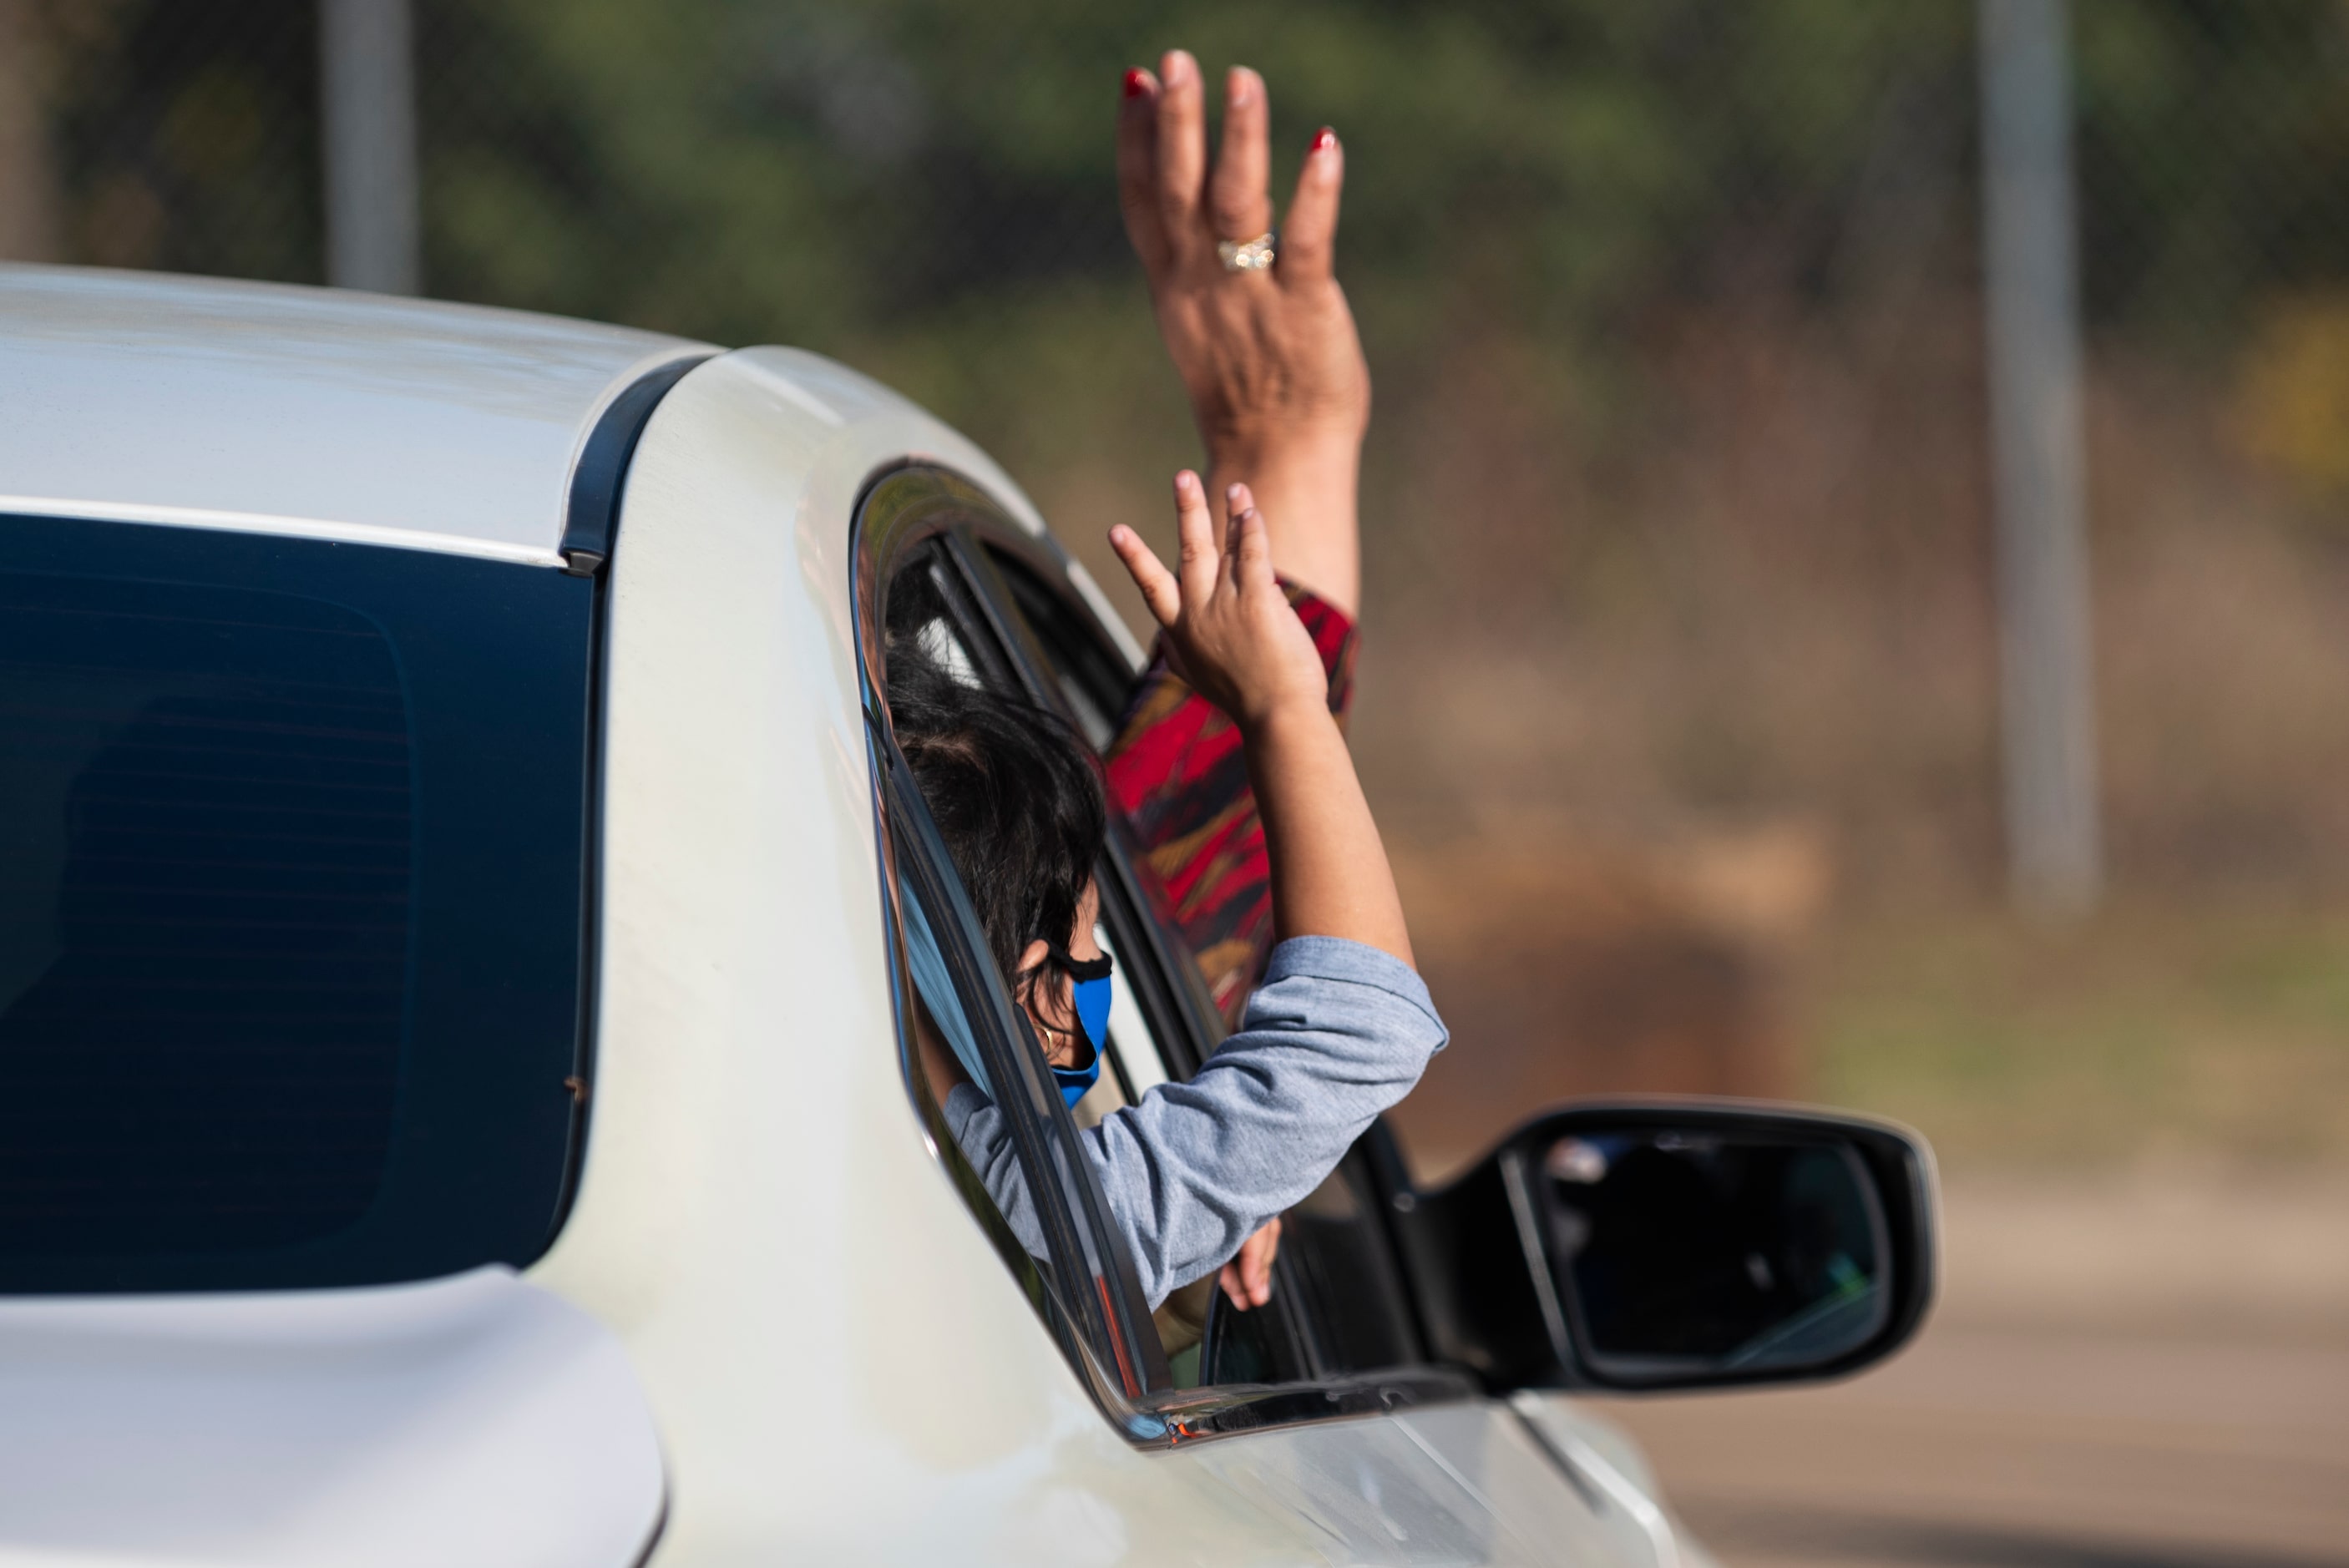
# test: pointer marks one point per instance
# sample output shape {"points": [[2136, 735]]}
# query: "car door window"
{"points": [[940, 569], [1005, 1140], [1340, 1305]]}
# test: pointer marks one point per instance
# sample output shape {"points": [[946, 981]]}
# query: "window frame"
{"points": [[1074, 1249], [908, 506], [1096, 1325], [1164, 979]]}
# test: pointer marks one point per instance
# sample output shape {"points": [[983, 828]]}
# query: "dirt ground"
{"points": [[2143, 1371]]}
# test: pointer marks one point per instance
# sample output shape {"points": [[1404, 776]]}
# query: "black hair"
{"points": [[1015, 793]]}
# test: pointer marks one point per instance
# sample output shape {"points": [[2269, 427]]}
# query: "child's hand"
{"points": [[1244, 649], [1235, 636], [1248, 1278]]}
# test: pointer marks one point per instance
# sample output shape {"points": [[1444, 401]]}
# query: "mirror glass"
{"points": [[1676, 1253]]}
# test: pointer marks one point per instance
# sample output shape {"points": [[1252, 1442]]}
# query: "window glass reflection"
{"points": [[942, 1053]]}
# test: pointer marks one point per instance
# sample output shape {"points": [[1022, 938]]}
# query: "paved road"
{"points": [[2024, 1447]]}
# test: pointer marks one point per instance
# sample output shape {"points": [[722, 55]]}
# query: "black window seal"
{"points": [[1168, 1418], [592, 514], [591, 529]]}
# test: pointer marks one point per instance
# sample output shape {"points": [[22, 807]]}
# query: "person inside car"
{"points": [[1261, 335], [1342, 1026], [1264, 344]]}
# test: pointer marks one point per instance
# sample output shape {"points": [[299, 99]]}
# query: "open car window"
{"points": [[977, 1079], [942, 570], [1341, 1303]]}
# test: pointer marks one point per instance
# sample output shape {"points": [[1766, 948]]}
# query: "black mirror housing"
{"points": [[1677, 1243]]}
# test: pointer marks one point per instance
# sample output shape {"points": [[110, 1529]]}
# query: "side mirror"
{"points": [[1641, 1245]]}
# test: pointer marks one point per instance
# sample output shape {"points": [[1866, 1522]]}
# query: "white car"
{"points": [[457, 976]]}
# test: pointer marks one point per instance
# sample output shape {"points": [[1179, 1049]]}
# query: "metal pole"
{"points": [[29, 229], [2047, 691], [366, 78]]}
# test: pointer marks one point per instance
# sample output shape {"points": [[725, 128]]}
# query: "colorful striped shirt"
{"points": [[1177, 772]]}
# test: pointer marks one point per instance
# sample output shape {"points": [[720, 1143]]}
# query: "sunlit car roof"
{"points": [[300, 410]]}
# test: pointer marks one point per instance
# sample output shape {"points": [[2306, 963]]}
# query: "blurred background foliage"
{"points": [[786, 169], [1679, 697]]}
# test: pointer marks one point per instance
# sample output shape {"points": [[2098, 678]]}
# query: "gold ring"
{"points": [[1248, 256]]}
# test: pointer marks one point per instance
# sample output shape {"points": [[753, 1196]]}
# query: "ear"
{"points": [[1037, 1004], [1035, 953]]}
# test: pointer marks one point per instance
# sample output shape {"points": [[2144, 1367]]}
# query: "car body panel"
{"points": [[841, 1361], [1610, 1466], [473, 1420], [762, 1251], [268, 408], [1518, 1475]]}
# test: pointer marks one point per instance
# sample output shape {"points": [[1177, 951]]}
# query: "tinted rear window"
{"points": [[291, 907]]}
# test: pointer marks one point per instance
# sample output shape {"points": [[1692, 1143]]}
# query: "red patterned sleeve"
{"points": [[1177, 772]]}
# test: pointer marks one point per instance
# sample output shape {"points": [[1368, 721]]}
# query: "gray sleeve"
{"points": [[1336, 1033]]}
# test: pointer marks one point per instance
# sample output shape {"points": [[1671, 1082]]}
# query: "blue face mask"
{"points": [[1090, 978]]}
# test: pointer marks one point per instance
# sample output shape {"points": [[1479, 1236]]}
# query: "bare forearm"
{"points": [[1307, 486], [1329, 871]]}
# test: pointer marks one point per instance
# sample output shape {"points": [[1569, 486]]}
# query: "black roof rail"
{"points": [[595, 506]]}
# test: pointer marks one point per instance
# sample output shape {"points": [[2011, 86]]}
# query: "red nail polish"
{"points": [[1136, 84], [1324, 139]]}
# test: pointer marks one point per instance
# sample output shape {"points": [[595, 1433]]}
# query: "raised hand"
{"points": [[1270, 357], [1232, 632]]}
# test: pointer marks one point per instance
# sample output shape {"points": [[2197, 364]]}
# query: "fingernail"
{"points": [[1137, 82], [1240, 87], [1175, 67], [1233, 492], [1324, 139]]}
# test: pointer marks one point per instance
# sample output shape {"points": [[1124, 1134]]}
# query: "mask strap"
{"points": [[1081, 968]]}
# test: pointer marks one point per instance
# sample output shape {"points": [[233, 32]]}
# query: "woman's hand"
{"points": [[1235, 636], [1248, 1278], [1270, 358]]}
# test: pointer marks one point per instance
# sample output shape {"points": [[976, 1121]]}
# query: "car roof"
{"points": [[274, 408]]}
